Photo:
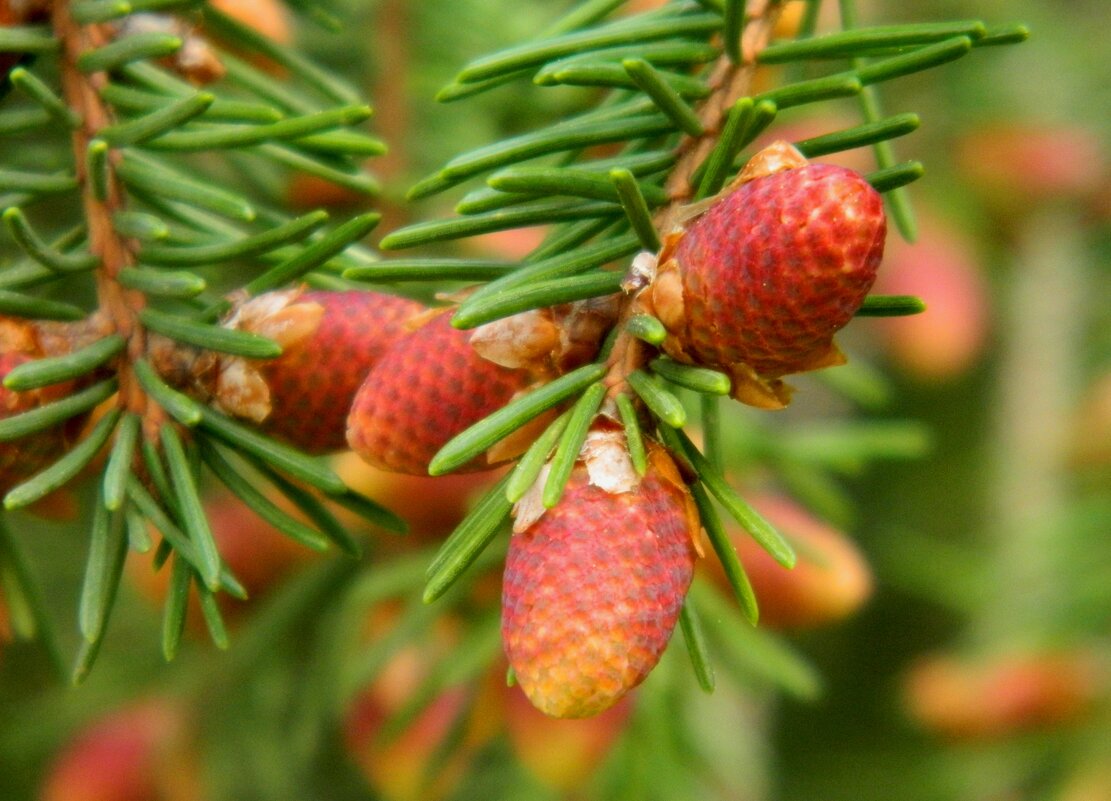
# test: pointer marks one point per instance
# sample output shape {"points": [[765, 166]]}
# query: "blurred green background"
{"points": [[966, 452]]}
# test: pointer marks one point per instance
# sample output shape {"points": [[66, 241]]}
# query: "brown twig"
{"points": [[117, 306], [729, 82]]}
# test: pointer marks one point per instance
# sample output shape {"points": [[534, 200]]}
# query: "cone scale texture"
{"points": [[593, 590]]}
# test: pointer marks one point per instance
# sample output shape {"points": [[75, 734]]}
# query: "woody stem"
{"points": [[117, 307]]}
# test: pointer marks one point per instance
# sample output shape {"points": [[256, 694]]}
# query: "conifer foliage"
{"points": [[166, 328]]}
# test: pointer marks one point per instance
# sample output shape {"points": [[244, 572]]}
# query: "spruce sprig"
{"points": [[680, 101], [143, 233], [152, 234]]}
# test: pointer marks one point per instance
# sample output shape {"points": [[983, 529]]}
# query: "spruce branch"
{"points": [[162, 240], [185, 231], [148, 353], [681, 145]]}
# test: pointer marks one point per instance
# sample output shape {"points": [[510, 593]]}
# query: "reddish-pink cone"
{"points": [[593, 589], [330, 341], [758, 285], [431, 386]]}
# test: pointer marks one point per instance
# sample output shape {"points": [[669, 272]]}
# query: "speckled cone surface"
{"points": [[313, 383], [593, 590], [314, 380], [429, 387], [771, 272]]}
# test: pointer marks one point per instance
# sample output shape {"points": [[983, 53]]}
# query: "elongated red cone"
{"points": [[593, 589], [758, 285]]}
